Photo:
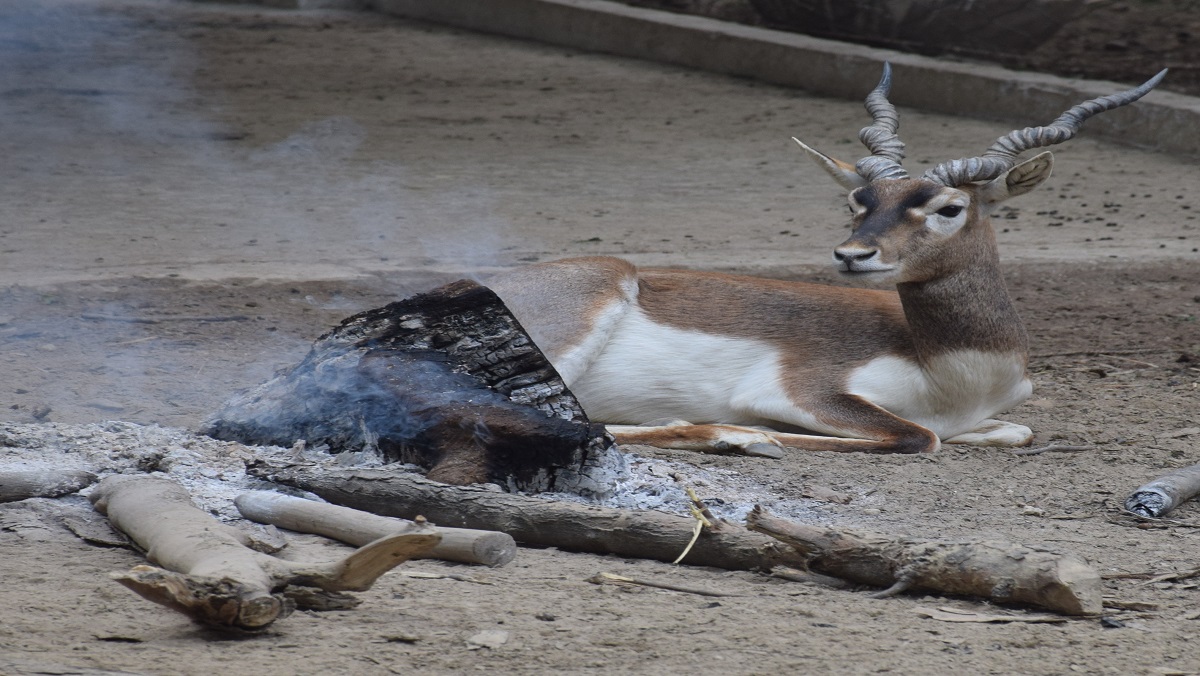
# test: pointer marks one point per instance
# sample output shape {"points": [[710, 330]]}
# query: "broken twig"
{"points": [[807, 576], [1053, 448], [1174, 577], [1097, 353], [613, 578], [945, 614], [421, 575], [165, 318]]}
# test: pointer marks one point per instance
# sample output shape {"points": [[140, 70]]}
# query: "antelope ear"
{"points": [[1019, 180], [843, 173]]}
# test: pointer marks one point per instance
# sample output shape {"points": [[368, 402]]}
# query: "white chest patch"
{"points": [[951, 396], [648, 371], [572, 363]]}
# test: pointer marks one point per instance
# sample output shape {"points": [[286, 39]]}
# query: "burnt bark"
{"points": [[447, 380]]}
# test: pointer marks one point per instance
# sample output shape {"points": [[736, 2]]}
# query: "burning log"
{"points": [[447, 379], [212, 575], [534, 521], [1000, 571], [22, 484], [356, 527], [1165, 493]]}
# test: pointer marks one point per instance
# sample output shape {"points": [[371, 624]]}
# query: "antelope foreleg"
{"points": [[852, 424], [702, 438]]}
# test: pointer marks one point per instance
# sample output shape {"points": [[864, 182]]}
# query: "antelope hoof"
{"points": [[665, 422], [762, 450], [996, 433]]}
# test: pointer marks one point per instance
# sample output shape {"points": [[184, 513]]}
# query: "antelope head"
{"points": [[914, 229]]}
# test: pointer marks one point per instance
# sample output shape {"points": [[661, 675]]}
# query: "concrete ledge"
{"points": [[1163, 121]]}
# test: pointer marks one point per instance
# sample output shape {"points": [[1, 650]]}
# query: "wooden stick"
{"points": [[212, 576], [1056, 448], [1003, 572], [1098, 353], [807, 576], [357, 527], [1175, 577], [1165, 493], [164, 318], [613, 578], [534, 521], [51, 483]]}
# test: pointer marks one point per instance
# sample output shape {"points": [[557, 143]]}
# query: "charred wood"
{"points": [[1165, 493], [447, 380]]}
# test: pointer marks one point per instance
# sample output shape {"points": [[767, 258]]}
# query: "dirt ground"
{"points": [[192, 193]]}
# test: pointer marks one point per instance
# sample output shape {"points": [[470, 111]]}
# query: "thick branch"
{"points": [[357, 527], [216, 578], [1165, 493], [1003, 572], [533, 521], [19, 485]]}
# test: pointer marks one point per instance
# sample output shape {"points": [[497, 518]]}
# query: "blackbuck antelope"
{"points": [[753, 364]]}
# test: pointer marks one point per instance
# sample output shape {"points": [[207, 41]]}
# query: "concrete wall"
{"points": [[1163, 120]]}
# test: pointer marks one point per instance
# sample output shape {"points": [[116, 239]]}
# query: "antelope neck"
{"points": [[968, 309]]}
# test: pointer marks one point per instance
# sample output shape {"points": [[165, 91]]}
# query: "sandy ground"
{"points": [[192, 193]]}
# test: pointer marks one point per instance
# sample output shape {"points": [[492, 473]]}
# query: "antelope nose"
{"points": [[852, 255]]}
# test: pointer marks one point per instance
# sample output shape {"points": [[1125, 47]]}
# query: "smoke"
{"points": [[119, 162], [131, 146], [333, 139], [71, 79], [453, 227]]}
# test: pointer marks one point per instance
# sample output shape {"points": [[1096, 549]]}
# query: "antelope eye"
{"points": [[950, 211]]}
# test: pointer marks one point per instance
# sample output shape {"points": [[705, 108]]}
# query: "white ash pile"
{"points": [[654, 483], [214, 471]]}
